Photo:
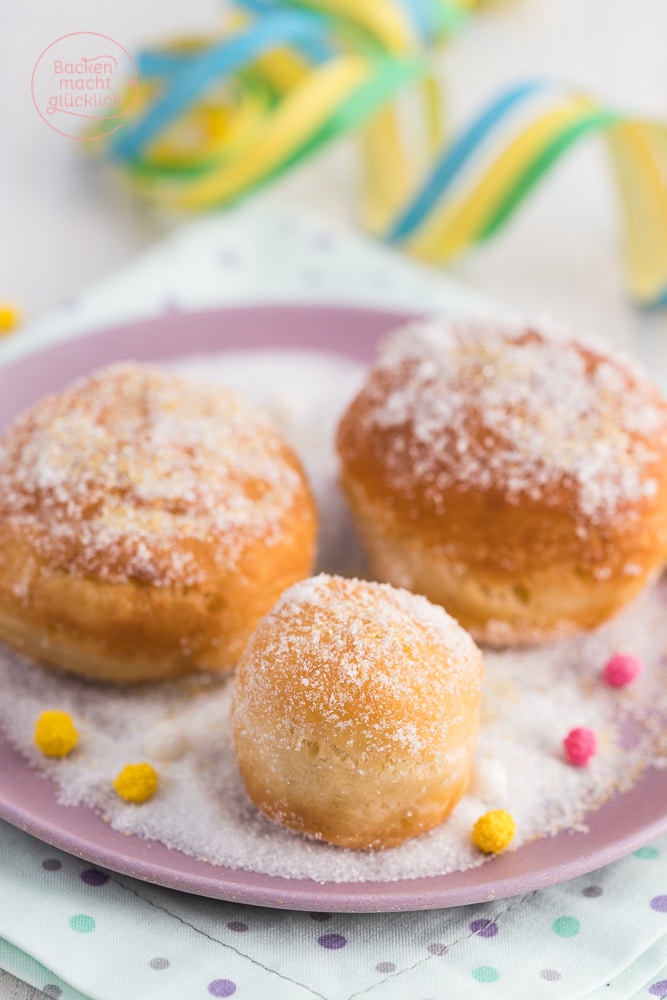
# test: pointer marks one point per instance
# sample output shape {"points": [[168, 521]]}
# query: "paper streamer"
{"points": [[217, 117]]}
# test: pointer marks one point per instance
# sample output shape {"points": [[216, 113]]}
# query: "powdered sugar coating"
{"points": [[127, 471], [475, 405], [356, 660]]}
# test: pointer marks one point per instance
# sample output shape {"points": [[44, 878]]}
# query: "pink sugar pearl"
{"points": [[622, 670], [580, 745]]}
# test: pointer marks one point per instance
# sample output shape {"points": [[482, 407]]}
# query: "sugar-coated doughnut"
{"points": [[147, 522], [514, 476], [355, 712]]}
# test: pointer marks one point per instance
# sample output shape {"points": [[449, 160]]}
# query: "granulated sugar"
{"points": [[520, 410], [532, 698], [115, 474]]}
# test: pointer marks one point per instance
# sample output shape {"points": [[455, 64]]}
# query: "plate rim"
{"points": [[278, 892], [503, 877]]}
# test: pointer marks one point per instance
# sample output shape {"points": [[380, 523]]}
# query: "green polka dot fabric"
{"points": [[79, 933], [76, 932]]}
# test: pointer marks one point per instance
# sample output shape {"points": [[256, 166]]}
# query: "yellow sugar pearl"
{"points": [[493, 831], [10, 317], [55, 734], [136, 782]]}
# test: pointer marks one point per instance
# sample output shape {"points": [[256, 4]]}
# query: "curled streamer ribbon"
{"points": [[218, 117]]}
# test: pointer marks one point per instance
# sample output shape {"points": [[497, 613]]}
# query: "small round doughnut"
{"points": [[517, 477], [355, 712], [147, 522]]}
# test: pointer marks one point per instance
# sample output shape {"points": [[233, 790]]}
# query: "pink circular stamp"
{"points": [[84, 84]]}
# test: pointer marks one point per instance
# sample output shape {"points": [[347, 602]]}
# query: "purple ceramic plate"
{"points": [[28, 800]]}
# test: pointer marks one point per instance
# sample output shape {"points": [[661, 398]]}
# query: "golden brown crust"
{"points": [[507, 470], [355, 712], [146, 524]]}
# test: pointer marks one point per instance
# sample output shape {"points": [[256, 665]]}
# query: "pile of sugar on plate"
{"points": [[533, 698]]}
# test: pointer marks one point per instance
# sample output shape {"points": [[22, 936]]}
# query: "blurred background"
{"points": [[65, 223]]}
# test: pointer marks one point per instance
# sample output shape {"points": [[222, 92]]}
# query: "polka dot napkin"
{"points": [[77, 932]]}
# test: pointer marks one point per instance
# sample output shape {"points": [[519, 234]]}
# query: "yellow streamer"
{"points": [[457, 225], [384, 21], [644, 202], [299, 77], [302, 110]]}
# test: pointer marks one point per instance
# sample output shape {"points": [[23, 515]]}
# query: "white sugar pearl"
{"points": [[489, 780]]}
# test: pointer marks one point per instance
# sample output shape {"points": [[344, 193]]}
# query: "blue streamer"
{"points": [[427, 23], [457, 155], [152, 65], [420, 15], [659, 301], [188, 81], [315, 49]]}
